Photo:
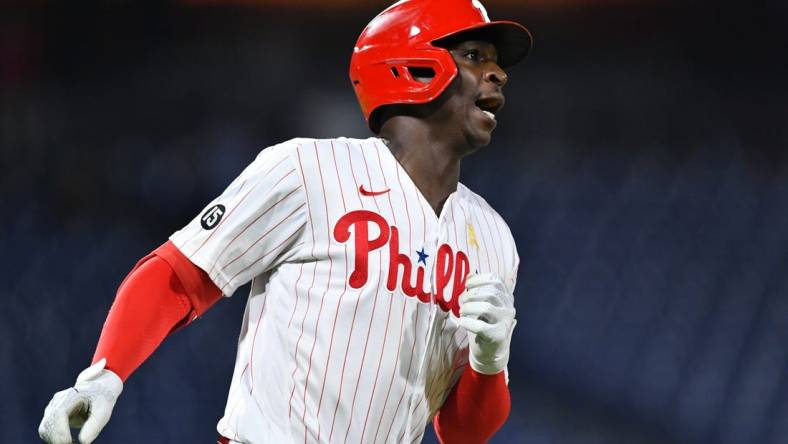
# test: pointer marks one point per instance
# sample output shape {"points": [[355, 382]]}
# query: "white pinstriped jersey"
{"points": [[350, 332]]}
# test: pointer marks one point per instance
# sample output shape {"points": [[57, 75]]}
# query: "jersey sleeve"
{"points": [[511, 279], [510, 257], [256, 224]]}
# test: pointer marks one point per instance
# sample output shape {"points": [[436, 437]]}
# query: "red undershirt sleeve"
{"points": [[475, 409], [161, 294]]}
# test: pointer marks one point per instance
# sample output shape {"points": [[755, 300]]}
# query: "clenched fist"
{"points": [[88, 405], [487, 314]]}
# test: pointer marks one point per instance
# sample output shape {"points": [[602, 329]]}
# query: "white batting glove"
{"points": [[487, 314], [87, 405]]}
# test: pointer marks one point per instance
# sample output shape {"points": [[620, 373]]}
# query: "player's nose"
{"points": [[496, 75]]}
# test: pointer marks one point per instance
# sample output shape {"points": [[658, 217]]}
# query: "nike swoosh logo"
{"points": [[371, 193]]}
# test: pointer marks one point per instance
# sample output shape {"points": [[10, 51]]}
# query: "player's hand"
{"points": [[87, 405], [487, 314]]}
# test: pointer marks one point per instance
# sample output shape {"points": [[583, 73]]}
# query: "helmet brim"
{"points": [[512, 40]]}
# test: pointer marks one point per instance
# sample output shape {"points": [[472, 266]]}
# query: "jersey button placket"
{"points": [[437, 234]]}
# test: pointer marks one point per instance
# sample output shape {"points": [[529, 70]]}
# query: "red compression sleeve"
{"points": [[476, 408], [161, 294]]}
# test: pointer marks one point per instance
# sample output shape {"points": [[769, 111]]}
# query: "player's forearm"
{"points": [[148, 306], [476, 408], [161, 294]]}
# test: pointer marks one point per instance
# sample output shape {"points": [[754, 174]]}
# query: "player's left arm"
{"points": [[479, 403]]}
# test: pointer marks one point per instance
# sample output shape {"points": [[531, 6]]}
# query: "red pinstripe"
{"points": [[374, 306], [227, 265], [457, 244], [295, 292], [402, 434], [243, 184], [436, 218], [421, 207], [456, 234], [339, 301], [457, 344], [407, 210], [402, 318], [308, 292], [500, 237], [451, 213], [306, 192], [298, 342], [227, 216], [407, 375], [254, 341], [385, 182], [418, 435], [467, 245], [377, 372], [336, 169], [497, 249], [443, 328], [434, 380], [442, 376], [300, 336], [448, 208], [388, 316], [459, 366], [249, 225], [328, 283], [418, 306], [264, 255], [483, 245], [485, 239], [353, 322], [238, 401], [393, 370], [495, 239], [301, 268]]}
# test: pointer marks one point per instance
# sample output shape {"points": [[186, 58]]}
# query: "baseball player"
{"points": [[381, 287]]}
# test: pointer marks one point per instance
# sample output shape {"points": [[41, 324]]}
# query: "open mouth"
{"points": [[490, 105]]}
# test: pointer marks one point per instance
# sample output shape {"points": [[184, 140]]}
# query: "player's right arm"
{"points": [[163, 292], [253, 226]]}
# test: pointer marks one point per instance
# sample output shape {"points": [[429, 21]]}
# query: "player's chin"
{"points": [[484, 139], [478, 128], [477, 141], [480, 135], [485, 124]]}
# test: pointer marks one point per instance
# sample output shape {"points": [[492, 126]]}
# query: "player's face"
{"points": [[477, 92]]}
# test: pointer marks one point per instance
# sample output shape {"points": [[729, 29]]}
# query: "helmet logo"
{"points": [[478, 5]]}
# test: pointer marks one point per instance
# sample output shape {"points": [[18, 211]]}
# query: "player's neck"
{"points": [[433, 165]]}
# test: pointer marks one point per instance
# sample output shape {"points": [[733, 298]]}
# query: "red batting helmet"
{"points": [[401, 40]]}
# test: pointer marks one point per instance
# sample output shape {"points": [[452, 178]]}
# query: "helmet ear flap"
{"points": [[418, 76]]}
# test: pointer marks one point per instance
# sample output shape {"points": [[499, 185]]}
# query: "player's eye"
{"points": [[471, 54]]}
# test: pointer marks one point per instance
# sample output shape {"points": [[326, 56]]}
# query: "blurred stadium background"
{"points": [[641, 161]]}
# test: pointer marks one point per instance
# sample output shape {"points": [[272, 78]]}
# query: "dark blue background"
{"points": [[641, 162]]}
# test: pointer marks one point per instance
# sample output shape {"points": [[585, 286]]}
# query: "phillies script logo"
{"points": [[448, 263]]}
